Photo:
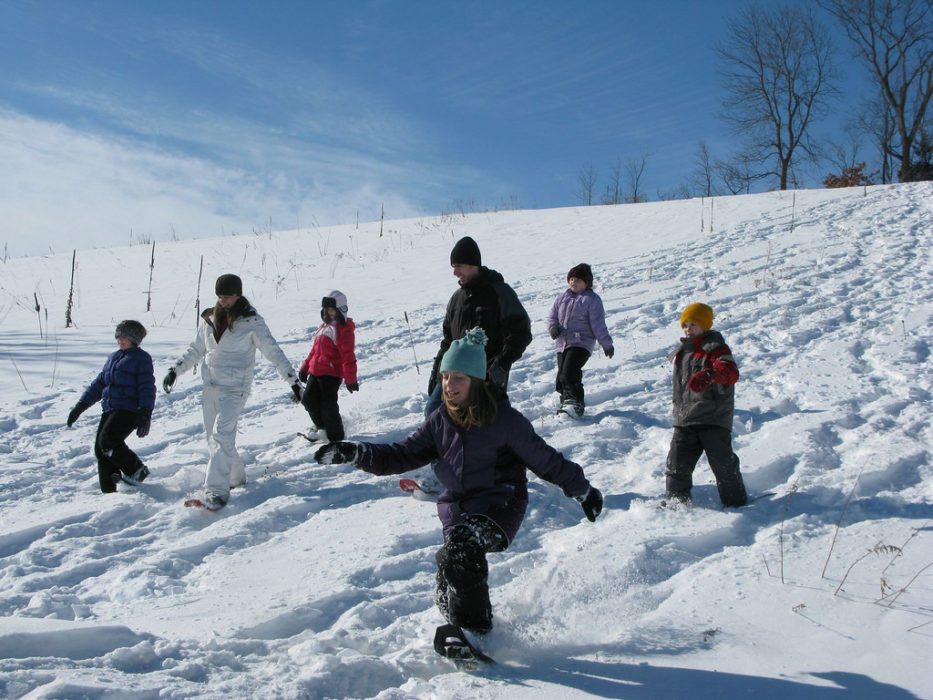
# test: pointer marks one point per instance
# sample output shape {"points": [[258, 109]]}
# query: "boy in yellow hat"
{"points": [[705, 374]]}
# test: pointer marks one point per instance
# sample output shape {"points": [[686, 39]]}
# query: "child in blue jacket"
{"points": [[126, 389], [576, 323]]}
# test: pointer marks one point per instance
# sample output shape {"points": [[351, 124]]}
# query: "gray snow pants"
{"points": [[687, 444]]}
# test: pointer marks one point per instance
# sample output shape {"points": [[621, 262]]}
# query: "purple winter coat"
{"points": [[481, 469], [582, 320]]}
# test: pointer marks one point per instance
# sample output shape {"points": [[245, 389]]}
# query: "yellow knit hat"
{"points": [[698, 313]]}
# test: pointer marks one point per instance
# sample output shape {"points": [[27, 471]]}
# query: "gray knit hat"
{"points": [[131, 330]]}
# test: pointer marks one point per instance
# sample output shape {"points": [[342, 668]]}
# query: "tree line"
{"points": [[781, 76]]}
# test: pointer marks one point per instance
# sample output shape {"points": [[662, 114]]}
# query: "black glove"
{"points": [[337, 453], [435, 378], [143, 422], [303, 376], [610, 351], [76, 412], [498, 373], [296, 392], [592, 502], [555, 331], [353, 387], [169, 380]]}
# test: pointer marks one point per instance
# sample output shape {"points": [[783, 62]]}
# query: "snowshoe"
{"points": [[573, 409], [424, 490], [210, 501], [451, 642], [137, 477]]}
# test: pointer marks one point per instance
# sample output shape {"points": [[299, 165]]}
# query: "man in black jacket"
{"points": [[484, 300]]}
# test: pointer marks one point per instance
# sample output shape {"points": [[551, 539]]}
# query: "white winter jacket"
{"points": [[229, 363]]}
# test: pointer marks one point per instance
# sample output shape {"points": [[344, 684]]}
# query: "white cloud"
{"points": [[64, 188]]}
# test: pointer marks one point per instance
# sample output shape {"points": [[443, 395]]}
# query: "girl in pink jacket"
{"points": [[332, 360]]}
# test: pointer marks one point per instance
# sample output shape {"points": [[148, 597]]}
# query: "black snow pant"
{"points": [[113, 456], [687, 444], [462, 591], [570, 374], [320, 401]]}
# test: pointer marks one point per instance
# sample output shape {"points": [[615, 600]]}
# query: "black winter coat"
{"points": [[487, 302]]}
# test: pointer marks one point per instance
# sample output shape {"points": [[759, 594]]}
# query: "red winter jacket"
{"points": [[333, 352]]}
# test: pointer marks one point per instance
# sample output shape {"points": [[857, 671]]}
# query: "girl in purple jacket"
{"points": [[482, 447], [576, 323]]}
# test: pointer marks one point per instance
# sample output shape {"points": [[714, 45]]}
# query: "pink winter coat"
{"points": [[333, 352]]}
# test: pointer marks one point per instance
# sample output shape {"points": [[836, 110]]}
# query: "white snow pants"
{"points": [[222, 408]]}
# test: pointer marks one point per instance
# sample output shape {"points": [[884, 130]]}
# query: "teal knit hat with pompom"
{"points": [[467, 355]]}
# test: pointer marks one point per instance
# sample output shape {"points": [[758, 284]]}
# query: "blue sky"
{"points": [[127, 121]]}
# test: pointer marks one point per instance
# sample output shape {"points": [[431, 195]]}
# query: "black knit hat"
{"points": [[466, 252], [582, 272], [131, 330], [228, 285]]}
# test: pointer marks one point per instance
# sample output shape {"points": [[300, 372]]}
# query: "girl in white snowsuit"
{"points": [[226, 344]]}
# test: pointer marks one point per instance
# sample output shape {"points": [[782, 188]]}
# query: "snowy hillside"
{"points": [[316, 582]]}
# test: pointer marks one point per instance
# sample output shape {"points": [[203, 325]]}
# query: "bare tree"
{"points": [[614, 186], [634, 172], [895, 39], [739, 174], [704, 173], [779, 76], [681, 191], [586, 182], [876, 121]]}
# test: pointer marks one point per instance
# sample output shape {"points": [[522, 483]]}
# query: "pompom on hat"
{"points": [[467, 355], [131, 330], [698, 313], [228, 285], [582, 272], [466, 252]]}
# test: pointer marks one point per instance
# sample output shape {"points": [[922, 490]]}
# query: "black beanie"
{"points": [[132, 330], [466, 252], [582, 272], [228, 285]]}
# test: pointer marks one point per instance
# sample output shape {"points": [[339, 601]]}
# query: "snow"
{"points": [[317, 581]]}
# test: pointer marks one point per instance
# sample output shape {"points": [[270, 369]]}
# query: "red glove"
{"points": [[701, 380]]}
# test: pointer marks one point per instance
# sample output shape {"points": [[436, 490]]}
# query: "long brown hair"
{"points": [[225, 318], [479, 409]]}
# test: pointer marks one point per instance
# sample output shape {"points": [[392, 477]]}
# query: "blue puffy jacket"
{"points": [[481, 469], [126, 383]]}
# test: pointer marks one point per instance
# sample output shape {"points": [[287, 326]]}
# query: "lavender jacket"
{"points": [[481, 469], [582, 320]]}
